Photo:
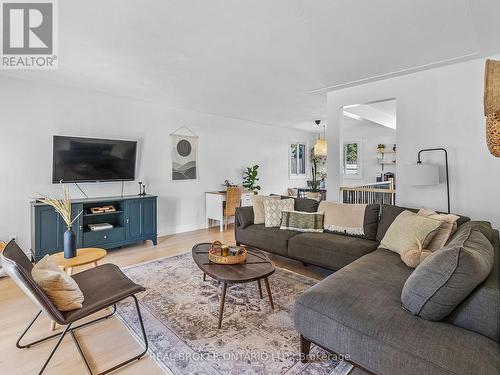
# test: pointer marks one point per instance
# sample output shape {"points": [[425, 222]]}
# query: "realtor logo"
{"points": [[28, 34]]}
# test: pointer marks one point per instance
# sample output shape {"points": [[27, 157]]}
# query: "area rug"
{"points": [[180, 313]]}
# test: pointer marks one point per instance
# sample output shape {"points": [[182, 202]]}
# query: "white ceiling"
{"points": [[259, 60]]}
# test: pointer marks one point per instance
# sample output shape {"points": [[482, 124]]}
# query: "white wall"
{"points": [[31, 113], [371, 135], [439, 107]]}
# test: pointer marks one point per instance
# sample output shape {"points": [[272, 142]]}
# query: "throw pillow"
{"points": [[302, 221], [448, 276], [258, 208], [413, 258], [61, 289], [446, 229], [343, 218], [407, 230], [273, 208]]}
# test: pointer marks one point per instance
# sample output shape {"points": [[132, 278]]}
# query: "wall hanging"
{"points": [[184, 155], [492, 105]]}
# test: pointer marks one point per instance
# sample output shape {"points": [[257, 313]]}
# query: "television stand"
{"points": [[134, 220]]}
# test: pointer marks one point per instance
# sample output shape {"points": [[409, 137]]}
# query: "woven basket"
{"points": [[215, 254], [493, 133], [491, 87]]}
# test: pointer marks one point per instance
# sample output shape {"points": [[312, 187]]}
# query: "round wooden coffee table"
{"points": [[255, 268], [89, 255]]}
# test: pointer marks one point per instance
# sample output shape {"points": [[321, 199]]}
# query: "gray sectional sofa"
{"points": [[357, 310]]}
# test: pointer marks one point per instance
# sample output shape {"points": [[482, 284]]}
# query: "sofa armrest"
{"points": [[244, 216]]}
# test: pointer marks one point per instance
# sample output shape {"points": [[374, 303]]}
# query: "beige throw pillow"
{"points": [[273, 208], [409, 232], [61, 289], [447, 228], [343, 218], [259, 216]]}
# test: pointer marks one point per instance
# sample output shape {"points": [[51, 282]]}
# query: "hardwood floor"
{"points": [[108, 342]]}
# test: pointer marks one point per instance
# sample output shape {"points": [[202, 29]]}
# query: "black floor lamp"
{"points": [[427, 174]]}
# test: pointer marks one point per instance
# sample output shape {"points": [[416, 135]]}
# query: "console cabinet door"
{"points": [[134, 219], [141, 218], [149, 217], [48, 231]]}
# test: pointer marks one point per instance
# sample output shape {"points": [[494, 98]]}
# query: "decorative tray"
{"points": [[223, 254]]}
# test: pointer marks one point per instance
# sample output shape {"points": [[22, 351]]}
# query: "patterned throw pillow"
{"points": [[258, 207], [273, 208], [302, 221]]}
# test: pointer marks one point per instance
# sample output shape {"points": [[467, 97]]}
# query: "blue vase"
{"points": [[69, 244]]}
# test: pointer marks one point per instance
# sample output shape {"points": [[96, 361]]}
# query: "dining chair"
{"points": [[103, 286], [233, 200]]}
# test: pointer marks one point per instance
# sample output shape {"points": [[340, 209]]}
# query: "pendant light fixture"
{"points": [[320, 145]]}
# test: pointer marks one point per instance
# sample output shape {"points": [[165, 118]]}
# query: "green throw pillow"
{"points": [[302, 221], [408, 232]]}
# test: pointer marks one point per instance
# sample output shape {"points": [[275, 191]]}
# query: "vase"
{"points": [[69, 244]]}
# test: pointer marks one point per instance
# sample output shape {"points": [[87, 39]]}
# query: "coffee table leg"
{"points": [[204, 276], [260, 288], [268, 288], [221, 306]]}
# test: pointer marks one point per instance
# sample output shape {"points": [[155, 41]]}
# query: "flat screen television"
{"points": [[93, 160]]}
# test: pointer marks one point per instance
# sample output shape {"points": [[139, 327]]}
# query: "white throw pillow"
{"points": [[273, 208], [61, 289]]}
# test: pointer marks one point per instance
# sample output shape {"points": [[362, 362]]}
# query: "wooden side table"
{"points": [[89, 255]]}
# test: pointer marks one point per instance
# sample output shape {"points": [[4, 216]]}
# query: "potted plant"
{"points": [[250, 179], [63, 208], [313, 183], [381, 147]]}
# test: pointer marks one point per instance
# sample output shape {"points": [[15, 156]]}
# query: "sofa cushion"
{"points": [[329, 250], [480, 312], [357, 311], [244, 216], [274, 240], [445, 278], [389, 212]]}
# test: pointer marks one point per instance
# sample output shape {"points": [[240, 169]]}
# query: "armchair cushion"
{"points": [[61, 289]]}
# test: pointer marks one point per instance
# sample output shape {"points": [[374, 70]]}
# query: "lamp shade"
{"points": [[420, 174], [320, 147]]}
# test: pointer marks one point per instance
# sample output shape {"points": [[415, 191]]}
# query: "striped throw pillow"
{"points": [[302, 221]]}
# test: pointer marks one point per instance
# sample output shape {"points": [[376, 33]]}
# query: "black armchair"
{"points": [[102, 287]]}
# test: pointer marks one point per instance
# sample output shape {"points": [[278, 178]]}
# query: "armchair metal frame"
{"points": [[72, 330]]}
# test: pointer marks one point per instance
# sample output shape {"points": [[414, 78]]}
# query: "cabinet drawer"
{"points": [[103, 237]]}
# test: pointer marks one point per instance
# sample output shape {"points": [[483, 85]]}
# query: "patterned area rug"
{"points": [[180, 312]]}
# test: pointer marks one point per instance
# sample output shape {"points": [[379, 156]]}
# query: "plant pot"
{"points": [[312, 194], [69, 244], [380, 149]]}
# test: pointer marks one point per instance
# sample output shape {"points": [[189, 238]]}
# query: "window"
{"points": [[351, 159], [297, 160]]}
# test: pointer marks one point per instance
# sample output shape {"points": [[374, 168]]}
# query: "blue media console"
{"points": [[134, 220]]}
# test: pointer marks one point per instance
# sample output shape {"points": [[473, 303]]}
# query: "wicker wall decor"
{"points": [[492, 105]]}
